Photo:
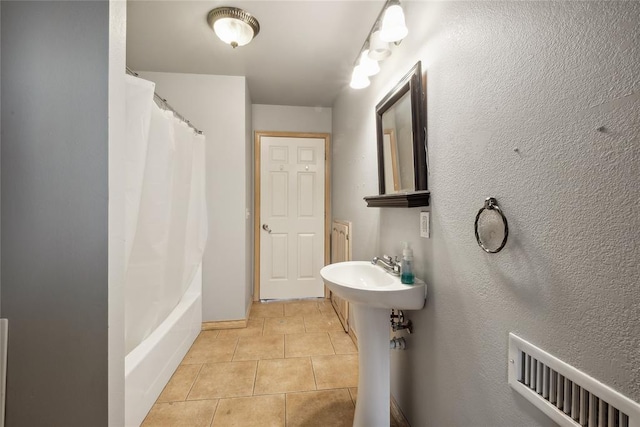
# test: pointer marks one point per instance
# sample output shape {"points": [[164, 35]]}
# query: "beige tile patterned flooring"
{"points": [[292, 365]]}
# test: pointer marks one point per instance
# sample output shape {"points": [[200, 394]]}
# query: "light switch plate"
{"points": [[424, 224]]}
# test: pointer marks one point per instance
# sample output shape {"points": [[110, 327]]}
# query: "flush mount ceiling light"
{"points": [[388, 27], [233, 26]]}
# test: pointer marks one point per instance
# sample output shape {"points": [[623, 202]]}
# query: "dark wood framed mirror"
{"points": [[402, 145]]}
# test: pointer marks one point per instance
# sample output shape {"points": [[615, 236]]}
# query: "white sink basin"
{"points": [[361, 282], [374, 293]]}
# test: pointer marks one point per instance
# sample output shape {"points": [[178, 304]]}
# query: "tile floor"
{"points": [[292, 366]]}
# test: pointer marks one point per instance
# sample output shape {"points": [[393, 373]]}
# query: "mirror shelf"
{"points": [[412, 199]]}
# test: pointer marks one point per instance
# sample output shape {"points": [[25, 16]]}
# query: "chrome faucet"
{"points": [[388, 264]]}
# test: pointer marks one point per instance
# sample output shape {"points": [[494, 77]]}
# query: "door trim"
{"points": [[256, 198]]}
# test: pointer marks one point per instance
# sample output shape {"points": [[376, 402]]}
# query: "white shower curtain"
{"points": [[165, 211]]}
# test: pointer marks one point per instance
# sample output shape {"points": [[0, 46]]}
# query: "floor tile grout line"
{"points": [[278, 393], [213, 416], [235, 349], [285, 347], [332, 345], [255, 378], [335, 350], [285, 409], [313, 369], [205, 399], [194, 382]]}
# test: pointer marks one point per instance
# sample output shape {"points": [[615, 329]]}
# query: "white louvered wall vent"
{"points": [[570, 397]]}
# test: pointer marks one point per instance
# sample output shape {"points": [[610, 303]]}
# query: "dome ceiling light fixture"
{"points": [[233, 26], [388, 28]]}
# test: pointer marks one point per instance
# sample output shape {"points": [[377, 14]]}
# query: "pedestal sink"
{"points": [[373, 293]]}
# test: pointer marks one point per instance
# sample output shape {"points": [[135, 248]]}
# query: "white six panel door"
{"points": [[291, 217]]}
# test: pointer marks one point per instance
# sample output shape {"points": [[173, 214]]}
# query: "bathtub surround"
{"points": [[541, 77], [150, 365]]}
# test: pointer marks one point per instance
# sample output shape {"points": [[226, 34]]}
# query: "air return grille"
{"points": [[570, 397]]}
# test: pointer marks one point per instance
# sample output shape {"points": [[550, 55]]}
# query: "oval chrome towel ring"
{"points": [[492, 204]]}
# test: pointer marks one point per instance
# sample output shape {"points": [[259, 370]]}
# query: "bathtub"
{"points": [[149, 366]]}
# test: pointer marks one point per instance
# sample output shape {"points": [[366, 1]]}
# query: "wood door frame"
{"points": [[256, 198]]}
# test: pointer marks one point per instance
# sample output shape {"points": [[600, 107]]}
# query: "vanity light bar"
{"points": [[389, 27]]}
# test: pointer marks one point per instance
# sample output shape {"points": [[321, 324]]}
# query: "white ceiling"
{"points": [[302, 56]]}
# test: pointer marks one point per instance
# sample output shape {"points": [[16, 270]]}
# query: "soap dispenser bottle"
{"points": [[406, 267]]}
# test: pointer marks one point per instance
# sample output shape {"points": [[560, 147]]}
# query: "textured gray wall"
{"points": [[540, 76], [54, 210]]}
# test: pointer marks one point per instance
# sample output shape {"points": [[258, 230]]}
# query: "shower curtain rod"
{"points": [[164, 104]]}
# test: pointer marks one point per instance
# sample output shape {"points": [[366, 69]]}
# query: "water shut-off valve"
{"points": [[398, 321], [397, 344]]}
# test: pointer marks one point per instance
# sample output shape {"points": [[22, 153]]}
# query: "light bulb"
{"points": [[233, 31], [393, 26], [378, 49], [359, 79], [369, 66]]}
